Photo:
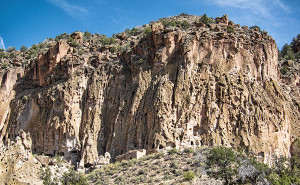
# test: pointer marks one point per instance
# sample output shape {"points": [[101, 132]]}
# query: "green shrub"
{"points": [[141, 61], [147, 31], [124, 48], [206, 20], [34, 46], [167, 22], [185, 25], [295, 165], [113, 49], [5, 66], [70, 39], [189, 175], [12, 55], [33, 53], [188, 150], [284, 70], [230, 29], [223, 158], [168, 176], [49, 45], [23, 48], [11, 49], [132, 162], [80, 52], [107, 41], [87, 36], [47, 177], [61, 36], [175, 164], [74, 44], [255, 26], [173, 151], [132, 32], [280, 174], [59, 159], [158, 155], [73, 178], [287, 52], [184, 14]]}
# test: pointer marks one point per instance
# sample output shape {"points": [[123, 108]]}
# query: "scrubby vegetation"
{"points": [[147, 30], [224, 160], [11, 49], [189, 175], [288, 53], [174, 23], [255, 27], [230, 29], [73, 178], [236, 167], [222, 165], [206, 20], [289, 57], [70, 177]]}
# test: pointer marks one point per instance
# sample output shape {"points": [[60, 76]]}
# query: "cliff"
{"points": [[176, 82]]}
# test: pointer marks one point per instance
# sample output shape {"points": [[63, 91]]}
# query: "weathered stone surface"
{"points": [[77, 36], [121, 36], [17, 165], [173, 88], [131, 154], [223, 20], [44, 160]]}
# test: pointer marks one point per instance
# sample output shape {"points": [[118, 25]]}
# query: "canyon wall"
{"points": [[172, 88]]}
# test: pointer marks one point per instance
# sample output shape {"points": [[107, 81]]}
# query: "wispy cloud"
{"points": [[2, 46], [259, 7], [71, 9]]}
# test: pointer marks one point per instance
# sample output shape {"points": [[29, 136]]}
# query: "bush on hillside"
{"points": [[206, 20], [73, 178], [87, 36], [189, 175], [230, 29], [223, 159], [147, 31], [11, 49], [23, 48], [254, 27], [287, 52]]}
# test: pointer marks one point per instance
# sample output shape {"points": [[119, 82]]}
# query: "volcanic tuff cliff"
{"points": [[182, 83]]}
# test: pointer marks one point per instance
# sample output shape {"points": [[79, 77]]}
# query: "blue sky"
{"points": [[27, 22]]}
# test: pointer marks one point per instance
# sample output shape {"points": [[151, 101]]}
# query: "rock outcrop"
{"points": [[175, 87], [17, 165]]}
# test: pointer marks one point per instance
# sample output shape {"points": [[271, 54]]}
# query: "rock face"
{"points": [[17, 165], [173, 88]]}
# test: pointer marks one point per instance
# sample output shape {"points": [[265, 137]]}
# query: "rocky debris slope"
{"points": [[17, 164], [177, 82]]}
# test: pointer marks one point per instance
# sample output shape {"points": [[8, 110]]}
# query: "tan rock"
{"points": [[223, 20], [17, 165], [44, 160], [121, 36], [178, 89], [77, 36]]}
